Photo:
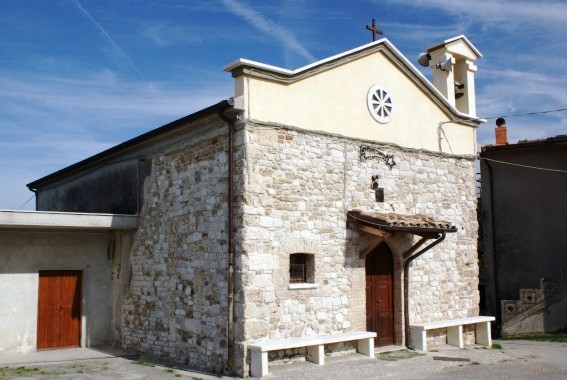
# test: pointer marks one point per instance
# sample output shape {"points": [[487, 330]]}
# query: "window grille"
{"points": [[301, 268]]}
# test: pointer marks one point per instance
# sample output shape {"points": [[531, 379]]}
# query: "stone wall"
{"points": [[293, 190], [176, 308], [297, 189]]}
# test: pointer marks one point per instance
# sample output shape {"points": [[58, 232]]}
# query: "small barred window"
{"points": [[301, 268]]}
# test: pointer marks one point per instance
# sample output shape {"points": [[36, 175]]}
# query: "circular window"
{"points": [[380, 104]]}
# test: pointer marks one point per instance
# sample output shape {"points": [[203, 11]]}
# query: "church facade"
{"points": [[337, 197]]}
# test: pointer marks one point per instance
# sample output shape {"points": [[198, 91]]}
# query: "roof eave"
{"points": [[557, 140], [383, 225], [453, 39], [49, 220]]}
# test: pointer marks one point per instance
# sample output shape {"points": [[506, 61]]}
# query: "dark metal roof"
{"points": [[120, 148], [559, 139], [403, 223]]}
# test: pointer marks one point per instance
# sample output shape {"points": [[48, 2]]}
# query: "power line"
{"points": [[26, 202], [526, 114], [523, 166]]}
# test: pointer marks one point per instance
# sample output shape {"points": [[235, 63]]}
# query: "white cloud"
{"points": [[523, 69], [103, 31], [77, 98], [269, 27], [512, 91], [500, 11], [165, 35], [415, 33], [50, 122]]}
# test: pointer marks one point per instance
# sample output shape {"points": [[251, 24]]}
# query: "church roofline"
{"points": [[246, 62], [287, 76]]}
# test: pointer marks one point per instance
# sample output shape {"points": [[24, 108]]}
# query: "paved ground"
{"points": [[516, 360]]}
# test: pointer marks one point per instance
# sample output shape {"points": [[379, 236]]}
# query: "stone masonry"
{"points": [[298, 187], [176, 308], [293, 189]]}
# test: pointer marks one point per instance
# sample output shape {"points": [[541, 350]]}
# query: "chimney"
{"points": [[453, 68], [501, 132]]}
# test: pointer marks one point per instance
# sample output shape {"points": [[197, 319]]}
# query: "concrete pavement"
{"points": [[64, 355], [516, 360]]}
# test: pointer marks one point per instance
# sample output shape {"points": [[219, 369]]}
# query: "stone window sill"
{"points": [[303, 286]]}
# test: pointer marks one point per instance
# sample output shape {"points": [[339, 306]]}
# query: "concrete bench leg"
{"points": [[365, 347], [483, 334], [258, 363], [455, 336], [316, 354], [419, 339]]}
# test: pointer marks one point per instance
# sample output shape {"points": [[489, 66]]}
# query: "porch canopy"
{"points": [[383, 225]]}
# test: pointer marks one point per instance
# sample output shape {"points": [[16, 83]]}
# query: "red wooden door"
{"points": [[59, 309], [379, 294]]}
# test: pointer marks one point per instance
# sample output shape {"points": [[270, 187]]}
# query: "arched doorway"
{"points": [[380, 294]]}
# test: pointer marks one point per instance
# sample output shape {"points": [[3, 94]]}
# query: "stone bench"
{"points": [[315, 348], [454, 331]]}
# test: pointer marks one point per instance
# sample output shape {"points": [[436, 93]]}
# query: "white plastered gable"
{"points": [[332, 96]]}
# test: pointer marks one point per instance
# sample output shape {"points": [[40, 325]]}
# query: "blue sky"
{"points": [[80, 76]]}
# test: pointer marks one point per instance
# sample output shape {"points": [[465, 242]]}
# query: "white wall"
{"points": [[23, 253], [335, 101]]}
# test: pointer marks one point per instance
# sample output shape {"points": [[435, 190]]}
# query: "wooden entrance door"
{"points": [[379, 294], [59, 309]]}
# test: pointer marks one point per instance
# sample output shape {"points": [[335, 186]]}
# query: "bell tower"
{"points": [[453, 68]]}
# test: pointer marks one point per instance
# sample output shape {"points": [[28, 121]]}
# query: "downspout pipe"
{"points": [[230, 272], [439, 239], [496, 294]]}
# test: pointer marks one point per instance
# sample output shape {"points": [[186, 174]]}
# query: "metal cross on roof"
{"points": [[374, 30]]}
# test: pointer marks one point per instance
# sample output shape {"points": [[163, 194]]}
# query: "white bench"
{"points": [[315, 348], [454, 331]]}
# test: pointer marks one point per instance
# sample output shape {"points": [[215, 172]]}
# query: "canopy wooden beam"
{"points": [[374, 231], [375, 243]]}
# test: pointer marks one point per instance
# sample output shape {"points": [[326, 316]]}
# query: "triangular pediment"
{"points": [[334, 95], [459, 46]]}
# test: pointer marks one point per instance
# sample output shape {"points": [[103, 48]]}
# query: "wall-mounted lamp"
{"points": [[378, 191]]}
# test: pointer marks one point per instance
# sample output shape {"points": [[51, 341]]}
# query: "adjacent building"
{"points": [[523, 200]]}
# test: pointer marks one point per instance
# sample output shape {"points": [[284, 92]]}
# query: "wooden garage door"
{"points": [[379, 295], [59, 309]]}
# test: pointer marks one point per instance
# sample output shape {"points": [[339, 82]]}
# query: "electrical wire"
{"points": [[26, 202], [439, 131], [526, 114], [523, 166]]}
